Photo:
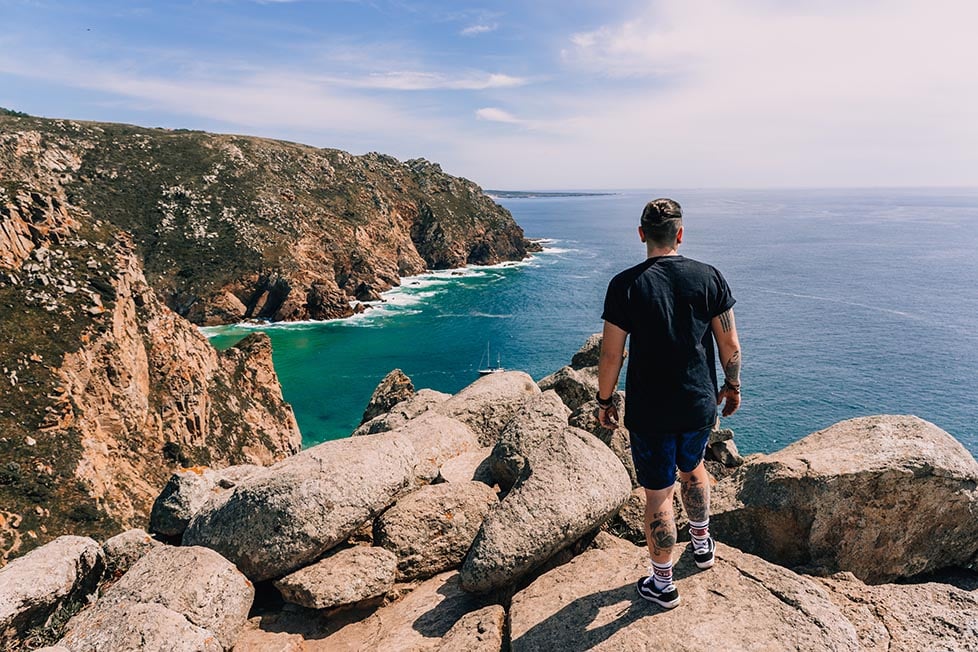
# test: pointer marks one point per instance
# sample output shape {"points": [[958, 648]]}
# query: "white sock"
{"points": [[699, 534], [662, 575]]}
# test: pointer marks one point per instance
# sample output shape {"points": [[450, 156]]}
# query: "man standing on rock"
{"points": [[673, 308]]}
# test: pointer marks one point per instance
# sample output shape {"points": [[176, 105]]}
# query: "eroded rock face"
{"points": [[345, 577], [285, 518], [196, 583], [394, 388], [188, 490], [401, 413], [36, 585], [488, 404], [742, 603], [436, 439], [859, 496], [572, 484], [148, 627], [542, 417], [431, 529], [124, 550], [907, 617]]}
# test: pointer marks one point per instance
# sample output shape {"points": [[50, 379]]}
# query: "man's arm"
{"points": [[728, 344], [609, 367]]}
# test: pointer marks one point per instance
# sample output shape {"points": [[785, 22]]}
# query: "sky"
{"points": [[545, 94]]}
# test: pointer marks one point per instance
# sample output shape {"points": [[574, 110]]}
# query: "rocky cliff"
{"points": [[233, 227], [104, 390]]}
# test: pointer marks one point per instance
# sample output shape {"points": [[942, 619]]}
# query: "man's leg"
{"points": [[660, 524], [696, 501]]}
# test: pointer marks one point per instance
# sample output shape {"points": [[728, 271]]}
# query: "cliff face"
{"points": [[104, 390], [233, 227]]}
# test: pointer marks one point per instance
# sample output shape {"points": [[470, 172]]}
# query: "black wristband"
{"points": [[605, 402], [733, 388]]}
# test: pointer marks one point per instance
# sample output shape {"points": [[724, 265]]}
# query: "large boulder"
{"points": [[618, 440], [742, 603], [588, 355], [401, 413], [431, 529], [35, 586], [543, 417], [416, 622], [436, 438], [489, 403], [147, 627], [467, 467], [197, 583], [125, 549], [188, 490], [571, 485], [907, 617], [394, 388], [574, 386], [883, 497], [482, 630], [345, 577], [287, 517]]}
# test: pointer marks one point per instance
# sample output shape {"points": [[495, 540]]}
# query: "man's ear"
{"points": [[679, 236], [641, 234]]}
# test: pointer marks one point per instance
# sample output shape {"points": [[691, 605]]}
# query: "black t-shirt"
{"points": [[666, 305]]}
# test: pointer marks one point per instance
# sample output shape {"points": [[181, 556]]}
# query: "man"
{"points": [[673, 308]]}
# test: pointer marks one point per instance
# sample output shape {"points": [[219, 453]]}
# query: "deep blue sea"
{"points": [[850, 303]]}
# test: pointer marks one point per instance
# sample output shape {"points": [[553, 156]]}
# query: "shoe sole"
{"points": [[706, 564], [662, 603]]}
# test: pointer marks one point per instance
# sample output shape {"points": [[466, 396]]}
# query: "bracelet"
{"points": [[733, 388], [605, 402]]}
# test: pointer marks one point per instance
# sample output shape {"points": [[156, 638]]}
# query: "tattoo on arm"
{"points": [[731, 369], [726, 321]]}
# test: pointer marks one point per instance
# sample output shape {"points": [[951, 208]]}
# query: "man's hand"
{"points": [[730, 399], [608, 417]]}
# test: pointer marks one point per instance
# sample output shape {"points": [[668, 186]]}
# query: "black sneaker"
{"points": [[705, 558], [668, 598]]}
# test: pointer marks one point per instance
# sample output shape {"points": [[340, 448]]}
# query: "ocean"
{"points": [[849, 303]]}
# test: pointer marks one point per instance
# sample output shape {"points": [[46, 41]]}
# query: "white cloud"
{"points": [[420, 81], [492, 114], [479, 28]]}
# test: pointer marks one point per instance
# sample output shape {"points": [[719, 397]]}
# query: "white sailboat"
{"points": [[489, 369]]}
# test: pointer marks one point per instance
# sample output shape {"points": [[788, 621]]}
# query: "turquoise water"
{"points": [[850, 303]]}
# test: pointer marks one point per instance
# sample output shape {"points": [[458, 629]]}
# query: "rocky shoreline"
{"points": [[502, 518]]}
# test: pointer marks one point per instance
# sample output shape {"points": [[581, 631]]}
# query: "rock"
{"points": [[194, 582], [573, 484], [394, 388], [124, 550], [907, 618], [724, 452], [467, 467], [477, 631], [586, 418], [742, 603], [289, 515], [408, 409], [147, 627], [416, 622], [543, 417], [436, 439], [489, 403], [259, 640], [574, 386], [35, 586], [182, 497], [865, 496], [431, 529], [588, 355], [345, 577]]}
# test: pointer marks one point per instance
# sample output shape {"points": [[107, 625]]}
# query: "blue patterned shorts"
{"points": [[656, 456]]}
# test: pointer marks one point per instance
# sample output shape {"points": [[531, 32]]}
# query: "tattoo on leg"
{"points": [[662, 535], [732, 367], [696, 500]]}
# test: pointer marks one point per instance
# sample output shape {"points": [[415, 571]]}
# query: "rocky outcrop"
{"points": [[860, 496], [49, 578], [467, 467], [148, 627], [187, 491], [286, 517], [394, 388], [585, 417], [232, 227], [571, 484], [742, 603], [345, 577], [402, 412], [574, 386], [542, 417], [436, 439], [489, 403], [431, 529], [124, 550]]}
